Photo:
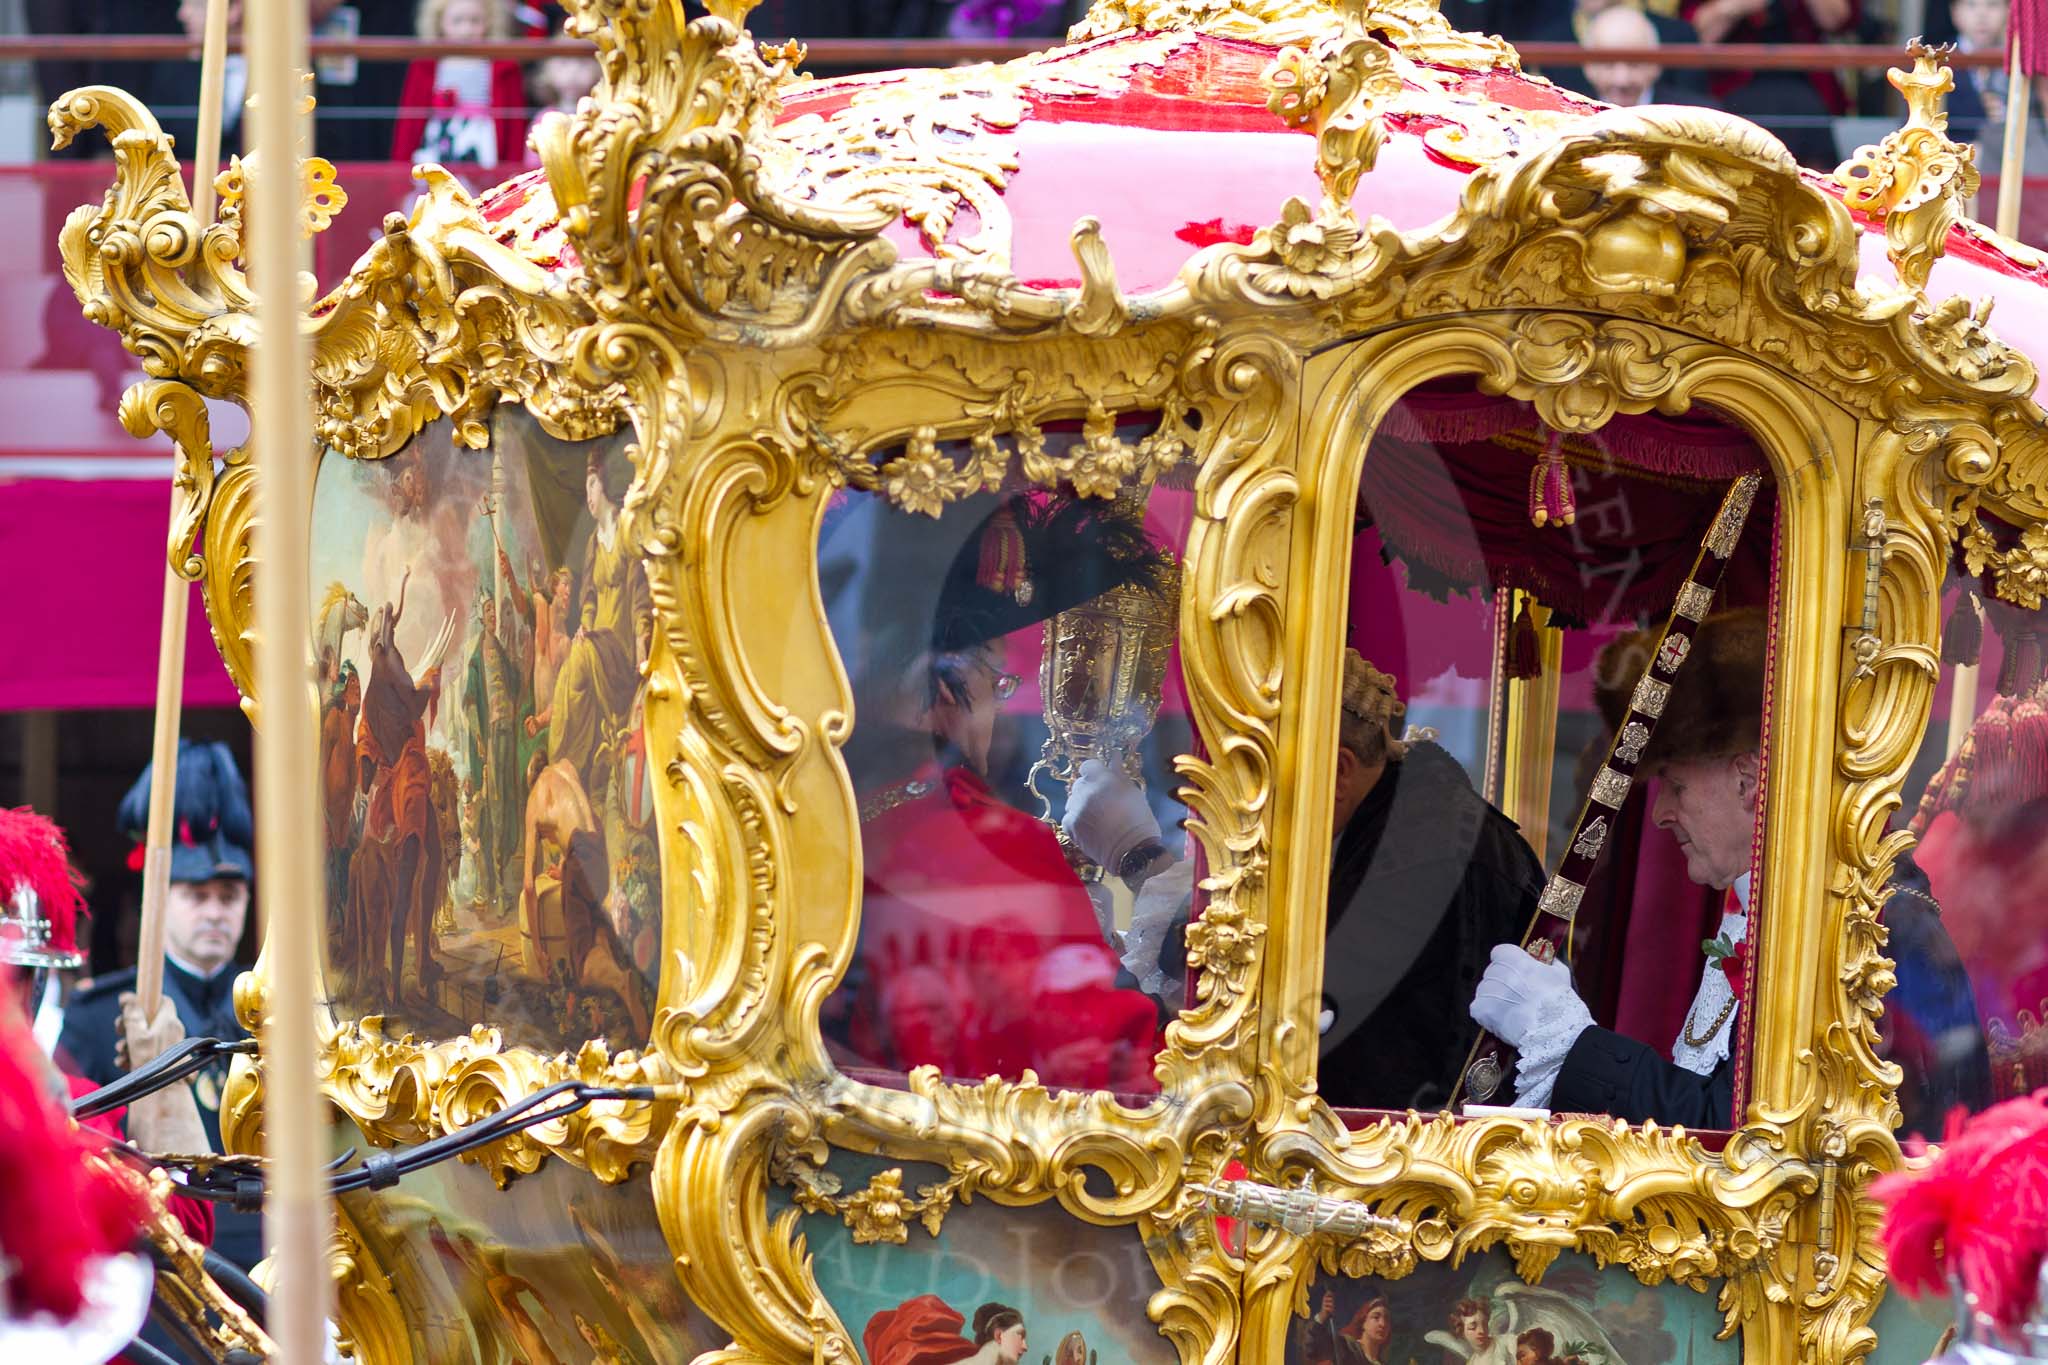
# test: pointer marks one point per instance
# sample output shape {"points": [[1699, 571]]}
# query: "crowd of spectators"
{"points": [[477, 111], [459, 110], [1799, 106]]}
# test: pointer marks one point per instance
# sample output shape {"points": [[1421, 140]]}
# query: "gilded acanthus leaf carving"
{"points": [[730, 293], [179, 412], [1415, 26], [878, 1212], [1916, 181]]}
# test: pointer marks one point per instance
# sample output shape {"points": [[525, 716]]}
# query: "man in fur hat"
{"points": [[205, 912], [1706, 758]]}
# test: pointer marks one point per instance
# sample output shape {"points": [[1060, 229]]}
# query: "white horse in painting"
{"points": [[340, 612]]}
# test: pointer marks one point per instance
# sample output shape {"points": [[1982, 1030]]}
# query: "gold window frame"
{"points": [[1633, 260]]}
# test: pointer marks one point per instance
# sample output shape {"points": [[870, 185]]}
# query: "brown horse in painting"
{"points": [[401, 855]]}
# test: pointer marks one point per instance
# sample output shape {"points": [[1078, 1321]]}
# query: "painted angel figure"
{"points": [[1073, 1350], [1523, 1324], [1479, 1333]]}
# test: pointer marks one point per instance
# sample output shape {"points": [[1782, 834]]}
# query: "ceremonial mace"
{"points": [[1550, 927]]}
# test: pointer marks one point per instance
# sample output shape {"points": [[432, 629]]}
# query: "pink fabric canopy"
{"points": [[85, 614]]}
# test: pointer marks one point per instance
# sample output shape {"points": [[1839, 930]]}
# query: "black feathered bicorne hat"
{"points": [[1026, 560], [212, 827]]}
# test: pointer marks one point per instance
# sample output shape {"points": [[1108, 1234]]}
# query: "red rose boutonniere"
{"points": [[1732, 958]]}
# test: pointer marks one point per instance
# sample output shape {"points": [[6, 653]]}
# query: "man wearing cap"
{"points": [[205, 912], [1706, 759]]}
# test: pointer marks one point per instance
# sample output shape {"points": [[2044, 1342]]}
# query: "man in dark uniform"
{"points": [[1426, 878], [204, 915], [1706, 758]]}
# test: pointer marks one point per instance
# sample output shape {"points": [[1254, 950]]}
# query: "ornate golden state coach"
{"points": [[1084, 408]]}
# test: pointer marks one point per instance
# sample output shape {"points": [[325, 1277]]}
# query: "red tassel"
{"points": [[1002, 568], [1550, 486], [1525, 651], [1946, 789], [1963, 642], [2029, 762], [1564, 509], [2020, 671], [1993, 775]]}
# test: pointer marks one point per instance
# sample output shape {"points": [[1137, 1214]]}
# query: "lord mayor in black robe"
{"points": [[1426, 878]]}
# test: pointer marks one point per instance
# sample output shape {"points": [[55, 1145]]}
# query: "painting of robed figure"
{"points": [[481, 631]]}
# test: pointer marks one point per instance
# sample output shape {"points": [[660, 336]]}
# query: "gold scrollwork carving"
{"points": [[370, 1321], [747, 317], [1916, 181], [403, 1090], [228, 573], [1414, 26], [879, 1211], [179, 412]]}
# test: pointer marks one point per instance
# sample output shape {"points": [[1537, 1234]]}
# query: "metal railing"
{"points": [[887, 53]]}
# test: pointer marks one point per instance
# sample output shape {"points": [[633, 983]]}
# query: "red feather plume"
{"points": [[1978, 1212], [33, 852], [59, 1210]]}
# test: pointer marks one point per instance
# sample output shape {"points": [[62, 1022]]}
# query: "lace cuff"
{"points": [[1162, 901], [1544, 1049]]}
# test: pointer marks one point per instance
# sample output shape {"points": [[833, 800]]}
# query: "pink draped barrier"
{"points": [[84, 507]]}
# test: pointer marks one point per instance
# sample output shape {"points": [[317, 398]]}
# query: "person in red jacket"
{"points": [[462, 110], [981, 951]]}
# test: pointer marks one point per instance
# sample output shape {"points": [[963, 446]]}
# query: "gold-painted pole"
{"points": [[177, 596], [2012, 169], [295, 1215], [1531, 749]]}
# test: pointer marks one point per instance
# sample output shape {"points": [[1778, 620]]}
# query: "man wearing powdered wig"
{"points": [[1425, 879]]}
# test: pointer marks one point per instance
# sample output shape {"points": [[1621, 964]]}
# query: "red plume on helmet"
{"points": [[39, 900], [1978, 1212], [61, 1210]]}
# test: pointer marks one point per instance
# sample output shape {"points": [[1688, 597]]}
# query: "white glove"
{"points": [[1107, 816], [1518, 993]]}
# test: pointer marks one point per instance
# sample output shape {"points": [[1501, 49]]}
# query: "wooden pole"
{"points": [[2012, 169], [213, 62], [177, 596], [295, 1214]]}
